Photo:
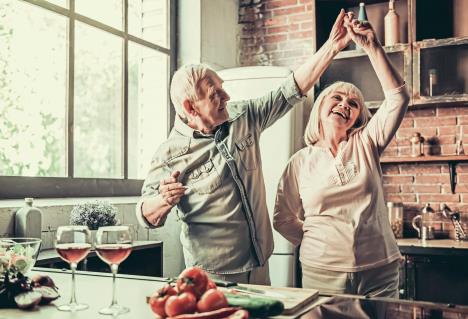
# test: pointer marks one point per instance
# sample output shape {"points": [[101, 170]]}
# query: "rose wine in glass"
{"points": [[73, 244], [113, 245]]}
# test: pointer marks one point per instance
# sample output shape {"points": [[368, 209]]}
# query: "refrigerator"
{"points": [[277, 144]]}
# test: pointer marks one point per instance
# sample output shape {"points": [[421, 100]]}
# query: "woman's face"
{"points": [[340, 110]]}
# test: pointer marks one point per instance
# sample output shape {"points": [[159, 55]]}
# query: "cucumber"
{"points": [[258, 307]]}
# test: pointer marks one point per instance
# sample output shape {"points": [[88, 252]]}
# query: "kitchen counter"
{"points": [[441, 247], [95, 290]]}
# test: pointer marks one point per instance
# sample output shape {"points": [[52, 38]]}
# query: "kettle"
{"points": [[425, 219]]}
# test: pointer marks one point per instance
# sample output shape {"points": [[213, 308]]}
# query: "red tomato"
{"points": [[193, 280], [159, 298], [181, 304], [212, 299], [211, 285]]}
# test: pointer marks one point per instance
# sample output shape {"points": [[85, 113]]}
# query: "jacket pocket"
{"points": [[204, 179], [246, 148]]}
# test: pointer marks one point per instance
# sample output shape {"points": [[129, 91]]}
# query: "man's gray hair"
{"points": [[185, 85], [313, 132]]}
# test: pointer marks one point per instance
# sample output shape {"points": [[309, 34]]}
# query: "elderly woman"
{"points": [[330, 197]]}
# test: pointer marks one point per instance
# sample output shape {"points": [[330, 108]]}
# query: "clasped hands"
{"points": [[347, 28]]}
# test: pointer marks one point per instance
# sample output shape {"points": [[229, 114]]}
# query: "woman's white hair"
{"points": [[313, 132], [185, 85]]}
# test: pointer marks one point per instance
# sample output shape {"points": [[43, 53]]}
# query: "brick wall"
{"points": [[276, 32], [417, 184], [280, 32]]}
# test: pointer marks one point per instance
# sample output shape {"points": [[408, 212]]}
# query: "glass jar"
{"points": [[395, 216], [417, 145]]}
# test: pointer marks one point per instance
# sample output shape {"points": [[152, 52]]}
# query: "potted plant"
{"points": [[94, 214]]}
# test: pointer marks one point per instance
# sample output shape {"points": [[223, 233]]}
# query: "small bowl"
{"points": [[18, 254]]}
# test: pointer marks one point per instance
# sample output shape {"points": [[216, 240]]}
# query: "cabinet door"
{"points": [[442, 279]]}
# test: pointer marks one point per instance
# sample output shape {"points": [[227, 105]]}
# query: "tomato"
{"points": [[212, 299], [159, 298], [211, 284], [183, 303], [193, 280]]}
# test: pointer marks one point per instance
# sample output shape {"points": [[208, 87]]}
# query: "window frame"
{"points": [[13, 187]]}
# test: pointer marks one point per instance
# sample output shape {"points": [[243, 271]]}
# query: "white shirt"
{"points": [[334, 206]]}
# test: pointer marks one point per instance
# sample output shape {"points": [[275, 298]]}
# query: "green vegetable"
{"points": [[257, 306]]}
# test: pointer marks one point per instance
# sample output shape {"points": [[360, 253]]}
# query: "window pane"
{"points": [[106, 11], [98, 103], [33, 83], [148, 106], [149, 19]]}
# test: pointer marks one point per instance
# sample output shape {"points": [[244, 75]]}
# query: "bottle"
{"points": [[28, 220], [417, 145], [362, 16], [392, 25]]}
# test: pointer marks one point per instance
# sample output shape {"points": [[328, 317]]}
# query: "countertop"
{"points": [[442, 247], [95, 289], [51, 256]]}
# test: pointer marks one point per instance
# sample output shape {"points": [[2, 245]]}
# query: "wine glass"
{"points": [[113, 245], [73, 244]]}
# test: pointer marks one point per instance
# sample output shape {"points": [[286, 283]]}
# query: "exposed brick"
{"points": [[392, 188], [439, 198], [309, 7], [407, 122], [306, 1], [446, 139], [390, 179], [390, 169], [420, 188], [463, 120], [275, 38], [390, 151], [280, 3], [309, 26], [426, 132], [449, 130], [421, 113], [301, 17], [436, 121], [459, 189], [446, 111], [409, 198], [432, 179], [276, 21], [287, 11], [301, 35], [404, 151], [283, 29], [449, 149], [419, 169]]}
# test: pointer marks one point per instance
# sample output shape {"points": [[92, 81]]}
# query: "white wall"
{"points": [[208, 33]]}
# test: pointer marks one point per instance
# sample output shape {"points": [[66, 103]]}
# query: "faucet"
{"points": [[455, 217]]}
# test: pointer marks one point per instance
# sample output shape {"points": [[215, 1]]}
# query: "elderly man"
{"points": [[210, 167]]}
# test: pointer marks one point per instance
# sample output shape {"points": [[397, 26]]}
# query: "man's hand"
{"points": [[171, 190], [156, 209]]}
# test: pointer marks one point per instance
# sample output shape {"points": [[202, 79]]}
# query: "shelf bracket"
{"points": [[453, 175]]}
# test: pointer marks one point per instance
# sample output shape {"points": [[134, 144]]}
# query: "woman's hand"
{"points": [[339, 37], [362, 34]]}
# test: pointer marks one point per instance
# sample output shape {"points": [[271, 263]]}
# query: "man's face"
{"points": [[211, 107], [340, 110]]}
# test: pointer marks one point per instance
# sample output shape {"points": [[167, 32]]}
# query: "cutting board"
{"points": [[294, 299]]}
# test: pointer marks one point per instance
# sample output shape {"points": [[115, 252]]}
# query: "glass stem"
{"points": [[114, 268], [73, 296]]}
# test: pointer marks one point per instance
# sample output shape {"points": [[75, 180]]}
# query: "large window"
{"points": [[83, 94]]}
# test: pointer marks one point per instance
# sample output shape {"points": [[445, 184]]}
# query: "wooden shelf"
{"points": [[451, 160], [425, 158]]}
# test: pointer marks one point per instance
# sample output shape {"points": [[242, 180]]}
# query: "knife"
{"points": [[260, 292]]}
